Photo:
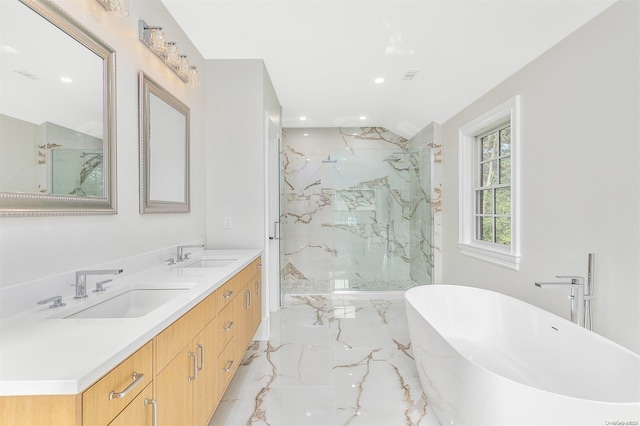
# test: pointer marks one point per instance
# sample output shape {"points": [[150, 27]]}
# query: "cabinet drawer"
{"points": [[255, 268], [140, 412], [225, 325], [229, 290], [111, 394], [250, 271], [226, 366]]}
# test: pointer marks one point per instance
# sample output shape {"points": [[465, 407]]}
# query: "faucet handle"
{"points": [[57, 302], [100, 286], [575, 279]]}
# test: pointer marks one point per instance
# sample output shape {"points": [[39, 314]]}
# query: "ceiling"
{"points": [[323, 55]]}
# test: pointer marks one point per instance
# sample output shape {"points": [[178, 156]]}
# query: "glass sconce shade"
{"points": [[156, 40], [184, 68], [119, 7], [172, 57], [194, 79], [167, 51]]}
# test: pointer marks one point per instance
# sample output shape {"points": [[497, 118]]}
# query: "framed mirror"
{"points": [[57, 114], [164, 150]]}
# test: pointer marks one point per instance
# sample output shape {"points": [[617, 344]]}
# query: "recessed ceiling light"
{"points": [[66, 80], [302, 118], [305, 134], [379, 80], [362, 117]]}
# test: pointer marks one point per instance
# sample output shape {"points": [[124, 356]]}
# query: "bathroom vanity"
{"points": [[169, 366]]}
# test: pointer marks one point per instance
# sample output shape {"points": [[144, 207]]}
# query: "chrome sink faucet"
{"points": [[81, 280], [181, 257]]}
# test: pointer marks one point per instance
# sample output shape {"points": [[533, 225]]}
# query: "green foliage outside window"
{"points": [[493, 189]]}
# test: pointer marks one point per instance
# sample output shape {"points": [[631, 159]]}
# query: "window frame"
{"points": [[507, 256]]}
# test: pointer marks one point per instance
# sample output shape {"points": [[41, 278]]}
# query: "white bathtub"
{"points": [[489, 359]]}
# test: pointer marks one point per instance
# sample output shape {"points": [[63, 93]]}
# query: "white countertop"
{"points": [[41, 355]]}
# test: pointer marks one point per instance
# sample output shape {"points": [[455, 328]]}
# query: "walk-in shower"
{"points": [[356, 211]]}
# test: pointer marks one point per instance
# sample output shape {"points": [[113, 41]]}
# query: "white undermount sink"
{"points": [[211, 263], [133, 303]]}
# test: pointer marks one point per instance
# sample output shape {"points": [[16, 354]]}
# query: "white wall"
{"points": [[580, 174], [33, 248], [239, 92]]}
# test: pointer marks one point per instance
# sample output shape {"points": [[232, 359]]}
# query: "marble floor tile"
{"points": [[331, 360]]}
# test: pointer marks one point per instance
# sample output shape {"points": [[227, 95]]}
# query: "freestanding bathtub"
{"points": [[485, 358]]}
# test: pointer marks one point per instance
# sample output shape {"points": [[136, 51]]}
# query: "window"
{"points": [[489, 186]]}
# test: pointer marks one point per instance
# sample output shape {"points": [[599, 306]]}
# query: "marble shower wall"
{"points": [[356, 213]]}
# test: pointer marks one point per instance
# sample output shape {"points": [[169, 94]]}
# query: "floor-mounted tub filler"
{"points": [[485, 358]]}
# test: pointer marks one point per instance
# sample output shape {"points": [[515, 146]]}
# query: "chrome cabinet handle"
{"points": [[201, 348], [228, 327], [226, 370], [154, 403], [257, 287], [195, 366], [250, 299], [227, 294], [136, 379]]}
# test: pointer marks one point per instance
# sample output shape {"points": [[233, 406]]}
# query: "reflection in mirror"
{"points": [[57, 114], [164, 150]]}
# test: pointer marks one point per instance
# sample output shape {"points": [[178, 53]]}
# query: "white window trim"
{"points": [[506, 256]]}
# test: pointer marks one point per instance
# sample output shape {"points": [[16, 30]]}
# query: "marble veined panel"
{"points": [[365, 189]]}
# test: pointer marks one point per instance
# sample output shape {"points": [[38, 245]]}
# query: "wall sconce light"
{"points": [[119, 7], [154, 39]]}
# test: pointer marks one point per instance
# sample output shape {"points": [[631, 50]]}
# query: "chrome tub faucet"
{"points": [[581, 296], [577, 295]]}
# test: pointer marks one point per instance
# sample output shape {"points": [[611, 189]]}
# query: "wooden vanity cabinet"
{"points": [[182, 384], [192, 379], [139, 412], [180, 375], [204, 397], [184, 389], [106, 398]]}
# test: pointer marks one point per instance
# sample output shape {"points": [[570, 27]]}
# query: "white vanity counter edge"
{"points": [[41, 355]]}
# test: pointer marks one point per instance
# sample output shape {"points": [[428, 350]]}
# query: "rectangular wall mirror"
{"points": [[164, 150], [57, 114]]}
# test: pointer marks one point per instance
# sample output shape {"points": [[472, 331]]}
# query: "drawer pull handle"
{"points": [[136, 379], [195, 366], [228, 327], [227, 294], [154, 403], [226, 370], [201, 348]]}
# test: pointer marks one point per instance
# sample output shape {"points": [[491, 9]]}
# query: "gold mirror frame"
{"points": [[34, 204]]}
